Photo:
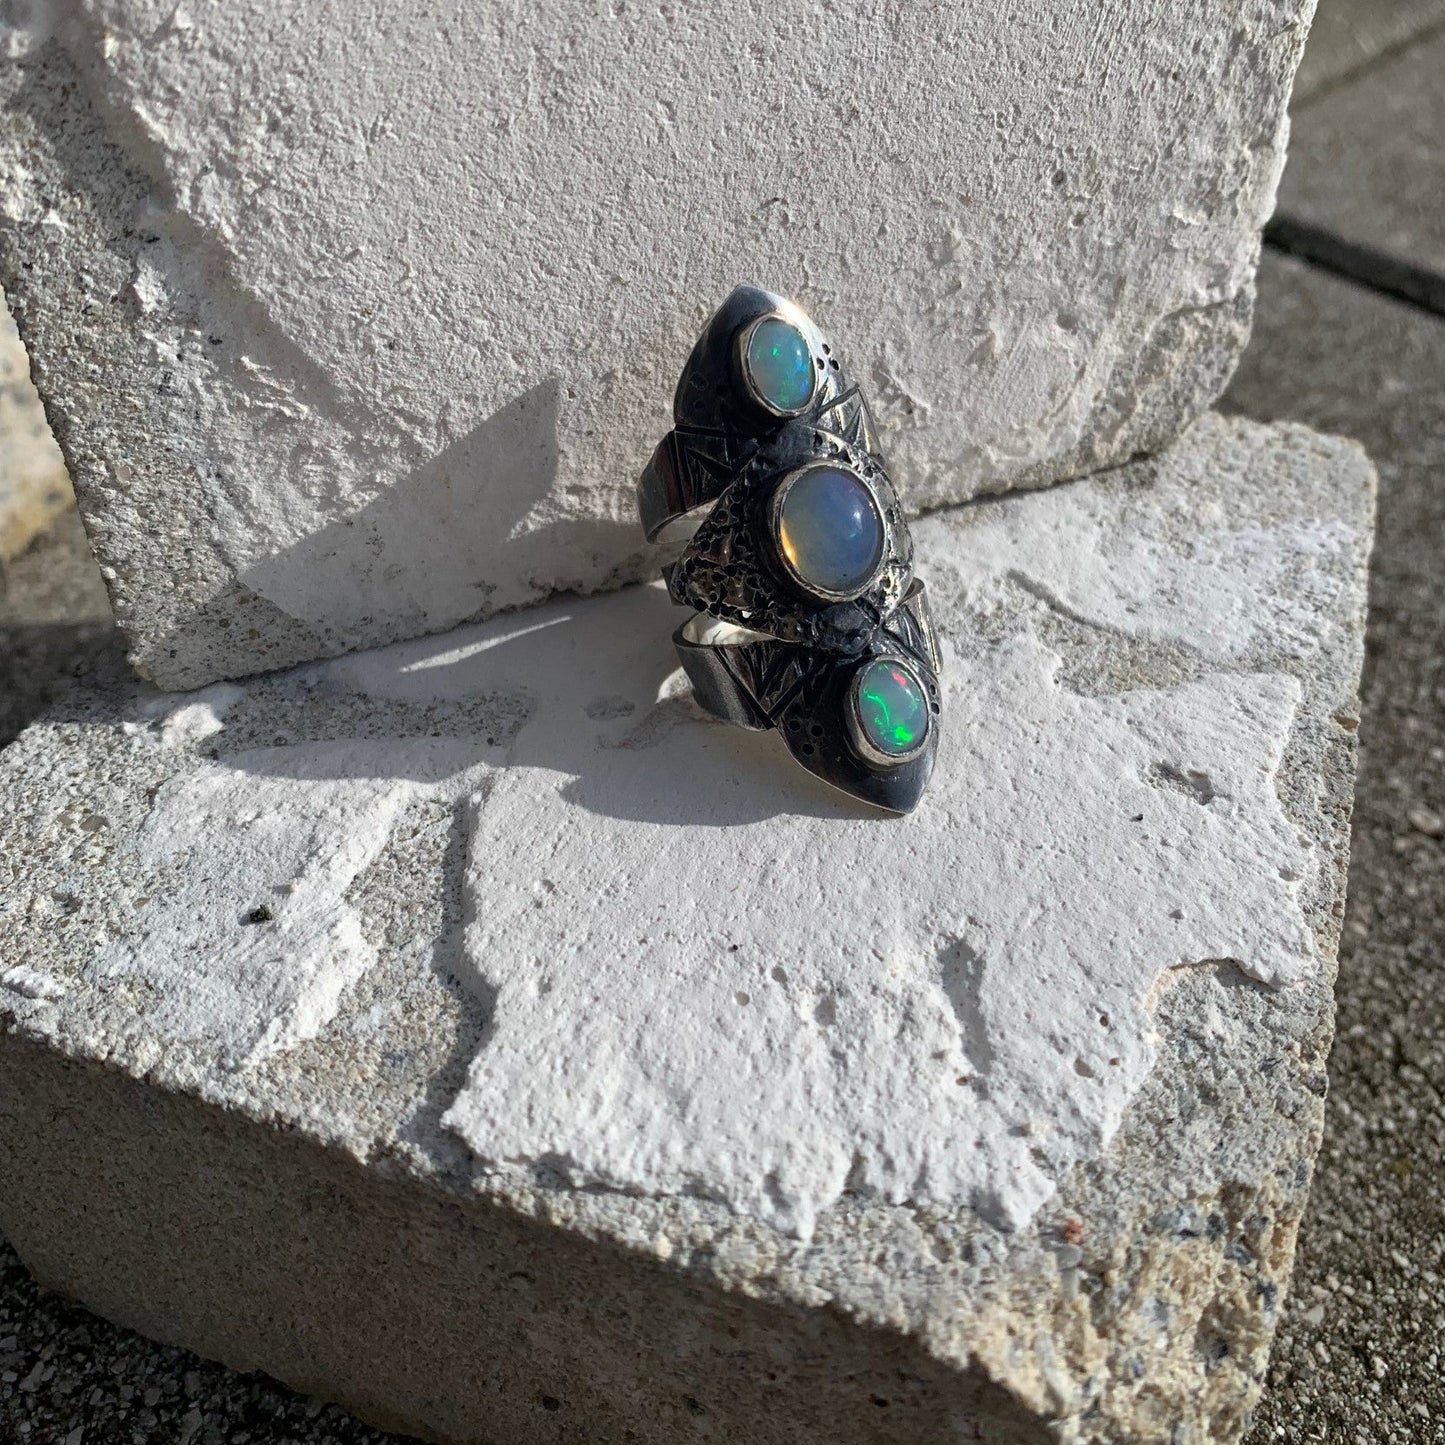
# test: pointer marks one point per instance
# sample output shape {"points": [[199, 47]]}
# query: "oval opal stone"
{"points": [[779, 365], [830, 531], [892, 707]]}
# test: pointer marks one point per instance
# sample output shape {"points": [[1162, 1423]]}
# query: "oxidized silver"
{"points": [[769, 645]]}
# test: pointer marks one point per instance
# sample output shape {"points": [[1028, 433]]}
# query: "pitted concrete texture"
{"points": [[355, 325], [34, 488], [262, 1050]]}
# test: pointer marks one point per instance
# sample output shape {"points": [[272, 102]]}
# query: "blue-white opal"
{"points": [[830, 531], [779, 365]]}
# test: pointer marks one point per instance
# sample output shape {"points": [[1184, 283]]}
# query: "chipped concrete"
{"points": [[1139, 1298], [166, 723], [382, 358], [293, 828]]}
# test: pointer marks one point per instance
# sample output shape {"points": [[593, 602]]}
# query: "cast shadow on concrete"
{"points": [[39, 660], [412, 560], [606, 719], [476, 529], [481, 525]]}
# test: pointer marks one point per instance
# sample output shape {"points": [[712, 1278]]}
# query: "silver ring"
{"points": [[807, 617]]}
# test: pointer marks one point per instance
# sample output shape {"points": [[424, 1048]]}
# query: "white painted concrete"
{"points": [[706, 983], [465, 845], [250, 937], [708, 974]]}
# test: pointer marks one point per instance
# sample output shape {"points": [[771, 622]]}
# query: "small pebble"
{"points": [[1426, 821]]}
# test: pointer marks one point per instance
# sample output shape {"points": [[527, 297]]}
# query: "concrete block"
{"points": [[1371, 1264], [475, 1033], [355, 326]]}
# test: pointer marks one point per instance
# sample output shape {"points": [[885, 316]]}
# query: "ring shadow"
{"points": [[608, 723], [483, 519]]}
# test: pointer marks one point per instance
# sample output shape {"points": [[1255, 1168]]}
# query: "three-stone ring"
{"points": [[799, 566]]}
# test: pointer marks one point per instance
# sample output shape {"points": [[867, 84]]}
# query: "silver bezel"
{"points": [[775, 530], [858, 737], [808, 332]]}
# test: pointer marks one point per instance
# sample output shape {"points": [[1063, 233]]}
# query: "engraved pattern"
{"points": [[791, 678], [728, 568]]}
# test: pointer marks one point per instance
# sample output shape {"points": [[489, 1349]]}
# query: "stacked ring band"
{"points": [[799, 567]]}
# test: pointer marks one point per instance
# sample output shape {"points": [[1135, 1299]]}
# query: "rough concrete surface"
{"points": [[1359, 1355], [355, 324], [323, 1222], [34, 488]]}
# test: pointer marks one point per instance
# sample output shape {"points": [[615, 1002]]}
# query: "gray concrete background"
{"points": [[34, 485], [1362, 192], [1358, 1357]]}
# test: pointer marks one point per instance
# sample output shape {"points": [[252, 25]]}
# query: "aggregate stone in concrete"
{"points": [[1359, 1354], [257, 969], [355, 325], [1367, 171]]}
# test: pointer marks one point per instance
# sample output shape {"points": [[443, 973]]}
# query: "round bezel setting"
{"points": [[863, 745], [752, 385], [775, 531]]}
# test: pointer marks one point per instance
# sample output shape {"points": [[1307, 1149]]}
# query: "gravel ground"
{"points": [[67, 1378]]}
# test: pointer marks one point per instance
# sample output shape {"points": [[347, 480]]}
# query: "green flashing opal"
{"points": [[892, 707], [830, 531], [779, 364]]}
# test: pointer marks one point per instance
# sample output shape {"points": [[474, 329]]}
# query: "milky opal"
{"points": [[830, 531], [779, 365], [892, 707]]}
